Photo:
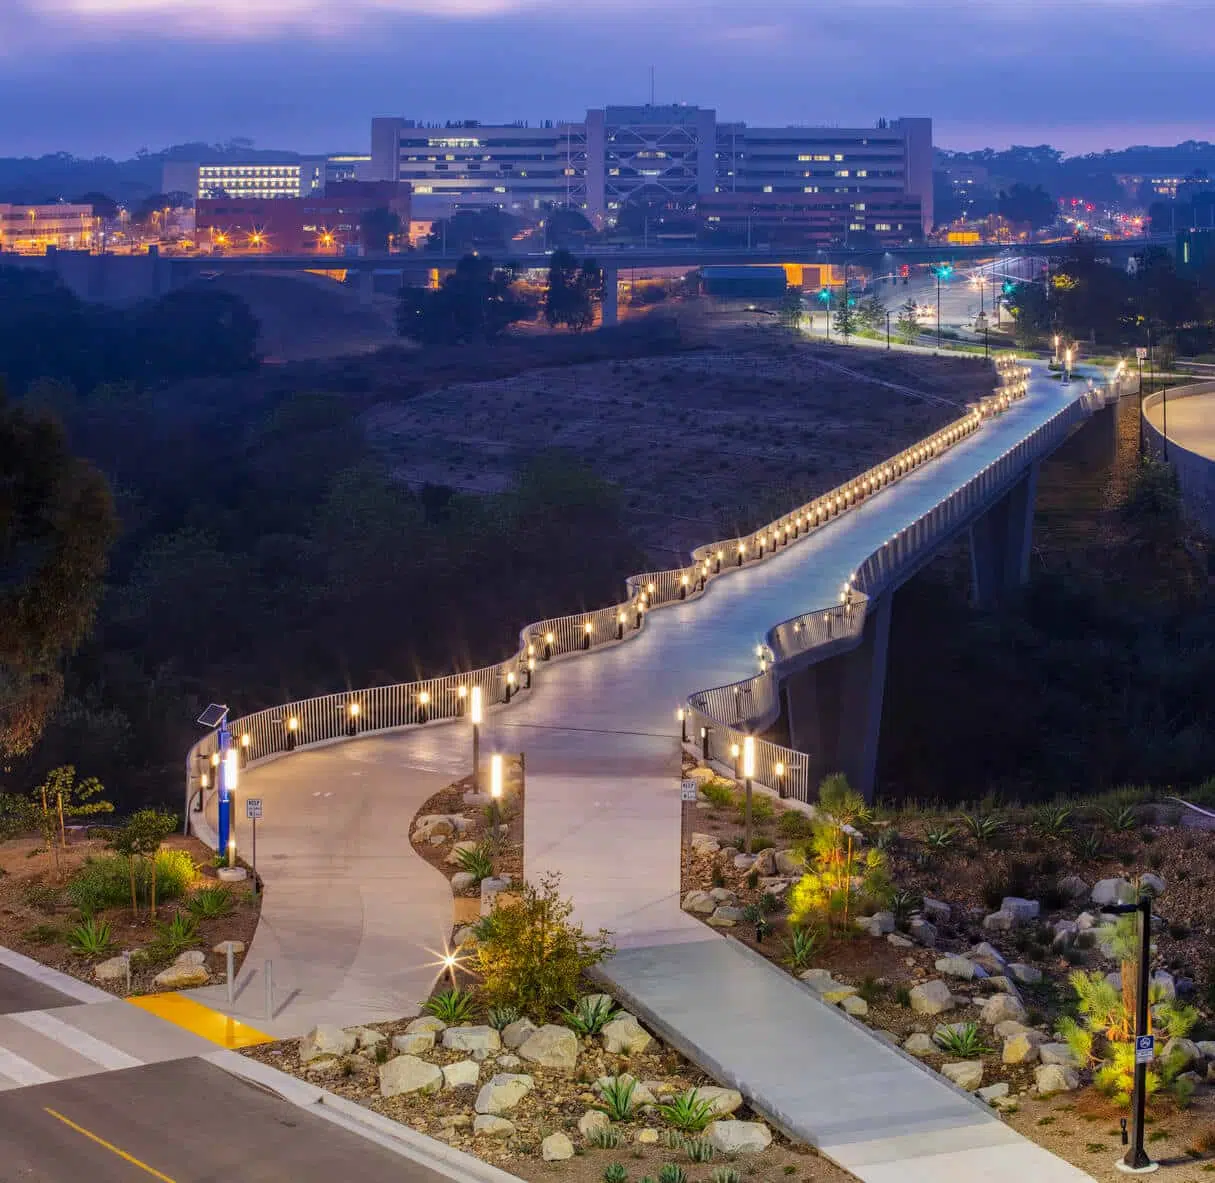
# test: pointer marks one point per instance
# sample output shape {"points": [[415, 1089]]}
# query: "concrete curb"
{"points": [[391, 1135], [56, 980]]}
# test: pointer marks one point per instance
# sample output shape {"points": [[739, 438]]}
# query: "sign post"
{"points": [[688, 790], [253, 811]]}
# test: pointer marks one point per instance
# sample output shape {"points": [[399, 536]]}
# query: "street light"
{"points": [[1136, 1161], [748, 773], [474, 713]]}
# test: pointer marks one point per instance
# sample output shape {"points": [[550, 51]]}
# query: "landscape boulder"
{"points": [[959, 967], [931, 998], [722, 1102], [1022, 910], [877, 925], [1000, 1007], [112, 970], [516, 1034], [1180, 1054], [181, 977], [326, 1040], [699, 902], [1055, 1078], [551, 1047], [625, 1036], [936, 910], [409, 1074], [1027, 975], [999, 922], [489, 1126], [966, 1074], [462, 881], [855, 1005], [789, 863], [919, 1044], [556, 1148], [417, 1044], [1019, 1049], [923, 931], [503, 1092], [461, 1075], [591, 1121], [726, 917], [425, 1023], [472, 1039], [1058, 1053], [1074, 887], [738, 1137], [1112, 891], [1151, 883]]}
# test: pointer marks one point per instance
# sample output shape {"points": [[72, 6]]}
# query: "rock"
{"points": [[1058, 1053], [877, 925], [836, 993], [461, 881], [1027, 975], [1065, 935], [323, 1068], [957, 967], [456, 1121], [425, 1023], [993, 1092], [409, 1074], [551, 1047], [723, 895], [937, 911], [366, 1037], [1055, 1078], [516, 1034], [221, 950], [1022, 910], [457, 849], [625, 1036], [1019, 1049], [789, 864], [508, 1062], [924, 932], [999, 922], [432, 824], [181, 977], [1179, 1054], [984, 951], [899, 942], [592, 1120], [966, 1074], [722, 1102], [1010, 1027], [659, 1088], [489, 1126], [503, 1092], [919, 1044], [556, 1148], [855, 1006], [1207, 1048], [1000, 1007], [1003, 985], [1074, 887], [765, 863], [1165, 984], [112, 970], [726, 917], [817, 979], [931, 998], [461, 1075], [417, 1044], [744, 862], [472, 1039], [1087, 920], [326, 1040], [699, 902], [491, 888], [1151, 883], [647, 1137], [1112, 891], [738, 1137], [464, 936]]}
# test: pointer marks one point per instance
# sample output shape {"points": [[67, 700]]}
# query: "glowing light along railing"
{"points": [[306, 722], [719, 728]]}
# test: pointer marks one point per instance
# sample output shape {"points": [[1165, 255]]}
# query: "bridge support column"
{"points": [[366, 285], [611, 296], [1001, 541], [834, 707]]}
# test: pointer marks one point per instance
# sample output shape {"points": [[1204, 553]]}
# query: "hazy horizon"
{"points": [[107, 77]]}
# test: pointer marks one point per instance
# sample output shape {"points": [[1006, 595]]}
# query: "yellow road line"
{"points": [[143, 1166], [200, 1020]]}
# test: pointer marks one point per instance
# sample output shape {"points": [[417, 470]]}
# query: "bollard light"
{"points": [[423, 706], [779, 770], [704, 744], [461, 700], [510, 685], [721, 554], [293, 725], [748, 757], [650, 589], [474, 715], [495, 776], [682, 716], [476, 706], [232, 851], [735, 752], [586, 634], [638, 608], [353, 711], [742, 550], [683, 587], [245, 740], [531, 671], [620, 626], [548, 645]]}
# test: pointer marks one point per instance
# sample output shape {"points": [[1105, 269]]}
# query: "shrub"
{"points": [[762, 809], [902, 995], [1054, 820], [451, 1006], [589, 1015], [792, 824], [718, 793], [209, 903], [177, 935], [42, 896], [617, 1096], [613, 1172], [534, 956], [965, 1041], [903, 903], [687, 1112], [984, 828], [476, 861], [1088, 846], [91, 938], [43, 934], [1122, 820], [104, 882], [501, 1017], [940, 838]]}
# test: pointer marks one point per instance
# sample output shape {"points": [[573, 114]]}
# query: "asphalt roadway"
{"points": [[19, 993], [184, 1121]]}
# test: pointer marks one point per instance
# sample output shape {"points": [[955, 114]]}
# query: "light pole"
{"points": [[474, 713], [1067, 364], [748, 754], [887, 328], [1136, 1161]]}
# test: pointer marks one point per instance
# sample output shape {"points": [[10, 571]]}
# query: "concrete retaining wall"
{"points": [[1195, 473]]}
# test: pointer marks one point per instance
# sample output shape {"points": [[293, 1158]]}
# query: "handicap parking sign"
{"points": [[1145, 1049]]}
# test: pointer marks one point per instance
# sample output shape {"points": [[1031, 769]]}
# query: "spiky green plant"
{"points": [[965, 1040], [725, 1175], [1088, 846], [451, 1006], [983, 827], [672, 1172], [1122, 819], [590, 1014], [801, 946], [940, 838], [699, 1150], [1054, 820], [688, 1113], [604, 1137], [209, 903], [177, 935], [617, 1098], [615, 1172], [501, 1017], [92, 937], [477, 861], [903, 903]]}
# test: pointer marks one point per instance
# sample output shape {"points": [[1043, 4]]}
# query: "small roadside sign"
{"points": [[253, 808], [688, 790], [1145, 1049], [1141, 353]]}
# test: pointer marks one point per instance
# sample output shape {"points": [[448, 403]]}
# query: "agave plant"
{"points": [[688, 1113], [617, 1094], [1054, 820], [91, 938], [451, 1006], [803, 943], [984, 828], [589, 1015], [501, 1017], [940, 837], [477, 861], [615, 1172], [965, 1040], [1122, 820]]}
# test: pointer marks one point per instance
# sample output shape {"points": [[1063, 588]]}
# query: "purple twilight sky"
{"points": [[111, 76]]}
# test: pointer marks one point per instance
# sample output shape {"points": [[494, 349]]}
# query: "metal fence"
{"points": [[728, 713]]}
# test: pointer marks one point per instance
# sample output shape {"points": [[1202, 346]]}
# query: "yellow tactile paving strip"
{"points": [[200, 1020]]}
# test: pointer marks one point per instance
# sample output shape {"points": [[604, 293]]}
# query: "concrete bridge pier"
{"points": [[611, 295], [834, 707], [366, 286], [1001, 541]]}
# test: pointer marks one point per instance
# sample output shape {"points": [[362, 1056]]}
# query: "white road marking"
{"points": [[79, 1041], [21, 1071]]}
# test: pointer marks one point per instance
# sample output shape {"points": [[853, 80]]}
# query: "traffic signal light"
{"points": [[825, 295]]}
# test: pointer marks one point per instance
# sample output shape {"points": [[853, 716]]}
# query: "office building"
{"points": [[30, 229], [248, 180], [824, 219], [669, 155]]}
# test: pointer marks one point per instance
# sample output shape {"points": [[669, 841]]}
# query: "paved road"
{"points": [[180, 1122], [1191, 422], [18, 993]]}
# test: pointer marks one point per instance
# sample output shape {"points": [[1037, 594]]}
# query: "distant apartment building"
{"points": [[250, 180], [676, 155], [820, 218], [320, 223], [30, 229]]}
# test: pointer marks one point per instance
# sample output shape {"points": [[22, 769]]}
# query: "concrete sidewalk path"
{"points": [[819, 1076]]}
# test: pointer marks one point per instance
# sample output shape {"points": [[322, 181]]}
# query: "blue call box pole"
{"points": [[225, 788]]}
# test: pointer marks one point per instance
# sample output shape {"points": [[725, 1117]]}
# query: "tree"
{"points": [[56, 525], [377, 227], [792, 308], [1030, 308], [195, 331], [146, 830], [68, 797], [564, 225], [1027, 204], [474, 303], [572, 291], [908, 322], [124, 842], [104, 206], [845, 319], [871, 312]]}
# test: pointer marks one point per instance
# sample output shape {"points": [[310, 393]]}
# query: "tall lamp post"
{"points": [[748, 770], [1136, 1161], [474, 714], [887, 328], [941, 271]]}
